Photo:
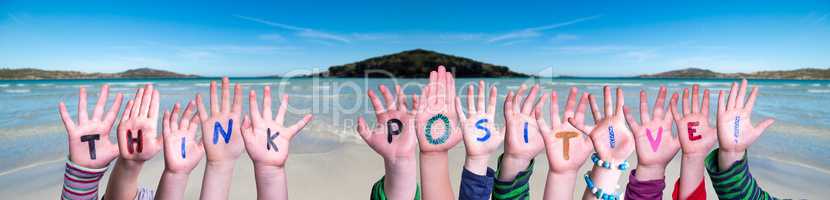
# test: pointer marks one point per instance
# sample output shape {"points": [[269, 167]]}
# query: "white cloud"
{"points": [[564, 37], [272, 37], [300, 31], [536, 31]]}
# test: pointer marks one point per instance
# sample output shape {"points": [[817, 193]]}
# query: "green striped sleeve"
{"points": [[519, 188], [735, 182], [379, 194]]}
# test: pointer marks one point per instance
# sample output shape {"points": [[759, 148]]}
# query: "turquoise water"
{"points": [[32, 132]]}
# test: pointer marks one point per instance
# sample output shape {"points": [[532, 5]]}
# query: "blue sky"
{"points": [[564, 38]]}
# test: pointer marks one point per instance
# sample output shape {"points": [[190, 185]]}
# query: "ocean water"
{"points": [[32, 133]]}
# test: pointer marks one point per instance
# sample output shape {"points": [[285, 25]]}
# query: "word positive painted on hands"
{"points": [[737, 129], [393, 127], [612, 141], [135, 144], [271, 144], [184, 154], [90, 139], [690, 128], [480, 125], [217, 128], [655, 143], [525, 133], [447, 130], [566, 136]]}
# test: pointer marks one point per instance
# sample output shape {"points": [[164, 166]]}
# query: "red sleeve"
{"points": [[698, 194]]}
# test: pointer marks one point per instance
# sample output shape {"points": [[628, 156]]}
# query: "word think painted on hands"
{"points": [[217, 128], [271, 144], [611, 139], [135, 144], [447, 130], [690, 128], [566, 136], [480, 125], [184, 154], [90, 139], [393, 127], [655, 142], [737, 130]]}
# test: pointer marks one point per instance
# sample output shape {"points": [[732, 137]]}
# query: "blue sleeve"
{"points": [[476, 187]]}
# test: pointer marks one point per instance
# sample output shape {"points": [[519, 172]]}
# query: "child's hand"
{"points": [[655, 145], [393, 136], [220, 127], [267, 138], [696, 136], [522, 139], [735, 130], [437, 129], [137, 131], [612, 139], [567, 148], [480, 135], [89, 141], [182, 151]]}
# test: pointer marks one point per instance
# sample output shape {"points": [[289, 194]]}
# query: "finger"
{"points": [[491, 103], [594, 108], [751, 102], [508, 104], [82, 113], [194, 123], [154, 105], [203, 114], [518, 98], [237, 99], [376, 103], [721, 103], [247, 130], [554, 108], [579, 126], [643, 108], [470, 99], [580, 111], [171, 118], [539, 105], [433, 90], [266, 103], [214, 101], [128, 111], [686, 104], [102, 101], [450, 96], [387, 96], [673, 107], [226, 95], [66, 118], [441, 91], [620, 101], [186, 116], [401, 99], [299, 125], [109, 119], [761, 127], [139, 96], [659, 105], [570, 105], [739, 103], [362, 129], [459, 110], [631, 121], [283, 108], [165, 123], [606, 98], [704, 108], [695, 99], [146, 100], [544, 128], [253, 108], [480, 100], [530, 101], [733, 96]]}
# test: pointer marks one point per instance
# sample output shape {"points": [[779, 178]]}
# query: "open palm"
{"points": [[225, 144], [653, 139], [696, 135], [612, 140], [393, 136], [480, 135], [522, 139], [182, 151], [89, 141], [735, 129], [436, 115], [566, 147], [138, 138], [266, 138]]}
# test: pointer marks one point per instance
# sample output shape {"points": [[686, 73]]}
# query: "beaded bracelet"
{"points": [[598, 191], [606, 164]]}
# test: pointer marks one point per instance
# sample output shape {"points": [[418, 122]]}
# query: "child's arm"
{"points": [[566, 147], [182, 151], [221, 139], [613, 142], [90, 149], [267, 143], [481, 139], [438, 132], [696, 139], [137, 141], [735, 133], [393, 138], [522, 143], [655, 147]]}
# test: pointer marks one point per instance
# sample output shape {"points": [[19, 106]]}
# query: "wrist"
{"points": [[477, 164], [223, 166], [510, 166], [650, 172], [131, 164], [606, 179], [727, 157]]}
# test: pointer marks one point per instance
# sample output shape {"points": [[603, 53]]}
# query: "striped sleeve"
{"points": [[735, 182], [518, 188], [81, 182], [379, 194]]}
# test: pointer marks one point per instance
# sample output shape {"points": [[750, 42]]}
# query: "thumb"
{"points": [[760, 128]]}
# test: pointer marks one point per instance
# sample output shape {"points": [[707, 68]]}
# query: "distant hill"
{"points": [[34, 74], [418, 63], [800, 74]]}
